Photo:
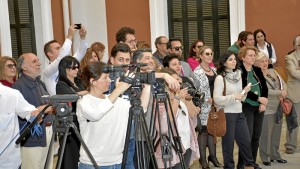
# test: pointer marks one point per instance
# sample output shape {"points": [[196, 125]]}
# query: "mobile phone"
{"points": [[77, 26]]}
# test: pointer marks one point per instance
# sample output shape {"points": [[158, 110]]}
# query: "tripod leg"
{"points": [[49, 151], [61, 153], [84, 145], [125, 151]]}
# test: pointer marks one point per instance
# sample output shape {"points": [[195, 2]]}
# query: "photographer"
{"points": [[103, 118]]}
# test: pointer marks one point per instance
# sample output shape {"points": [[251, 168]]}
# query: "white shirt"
{"points": [[183, 124], [50, 73], [265, 50], [103, 126], [12, 105]]}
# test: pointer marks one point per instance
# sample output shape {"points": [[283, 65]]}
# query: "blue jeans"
{"points": [[130, 154], [89, 166]]}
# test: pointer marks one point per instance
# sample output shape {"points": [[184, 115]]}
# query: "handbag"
{"points": [[286, 105], [216, 123]]}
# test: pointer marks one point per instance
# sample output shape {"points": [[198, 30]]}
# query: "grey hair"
{"points": [[20, 63], [295, 41], [138, 54]]}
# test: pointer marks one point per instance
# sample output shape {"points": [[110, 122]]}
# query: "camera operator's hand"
{"points": [[71, 32], [172, 82], [49, 110], [123, 85], [182, 93], [82, 33], [36, 113]]}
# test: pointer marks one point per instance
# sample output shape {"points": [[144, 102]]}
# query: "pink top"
{"points": [[193, 62]]}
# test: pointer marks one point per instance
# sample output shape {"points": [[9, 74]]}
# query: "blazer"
{"points": [[293, 73], [263, 85]]}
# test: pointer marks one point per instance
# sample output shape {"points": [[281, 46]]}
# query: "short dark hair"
{"points": [[92, 70], [168, 58], [47, 47], [122, 32], [138, 54], [119, 47], [256, 32], [169, 44], [158, 40], [244, 36]]}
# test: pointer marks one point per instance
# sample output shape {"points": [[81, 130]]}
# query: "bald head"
{"points": [[296, 42], [29, 64]]}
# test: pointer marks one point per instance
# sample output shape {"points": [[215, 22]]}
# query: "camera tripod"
{"points": [[171, 138], [142, 138], [62, 126]]}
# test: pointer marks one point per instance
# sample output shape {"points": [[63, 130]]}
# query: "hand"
{"points": [[262, 108], [198, 110], [35, 113], [123, 85], [210, 101], [172, 82], [183, 93], [82, 33], [263, 100], [283, 94], [238, 96], [71, 32], [247, 88], [188, 97]]}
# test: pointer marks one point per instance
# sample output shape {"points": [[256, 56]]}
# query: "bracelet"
{"points": [[177, 98]]}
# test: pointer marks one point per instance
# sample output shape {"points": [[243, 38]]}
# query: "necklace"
{"points": [[205, 69]]}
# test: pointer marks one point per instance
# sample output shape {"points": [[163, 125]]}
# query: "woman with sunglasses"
{"points": [[206, 75], [69, 83], [271, 132], [8, 71], [236, 124], [256, 101], [192, 60]]}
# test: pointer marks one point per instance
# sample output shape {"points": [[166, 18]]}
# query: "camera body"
{"points": [[77, 26], [198, 97]]}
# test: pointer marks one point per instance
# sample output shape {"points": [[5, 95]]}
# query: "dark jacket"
{"points": [[260, 78], [32, 90]]}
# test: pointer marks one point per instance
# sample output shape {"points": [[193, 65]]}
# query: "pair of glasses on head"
{"points": [[10, 66], [272, 78], [73, 67], [209, 53], [178, 48]]}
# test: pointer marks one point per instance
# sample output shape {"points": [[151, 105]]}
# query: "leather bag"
{"points": [[216, 123]]}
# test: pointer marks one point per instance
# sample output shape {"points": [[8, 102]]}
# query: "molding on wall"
{"points": [[237, 18], [5, 40], [158, 20]]}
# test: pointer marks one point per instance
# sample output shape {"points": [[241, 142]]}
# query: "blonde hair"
{"points": [[259, 57], [243, 51], [201, 51]]}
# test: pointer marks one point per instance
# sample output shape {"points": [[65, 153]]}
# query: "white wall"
{"points": [[5, 41], [91, 14]]}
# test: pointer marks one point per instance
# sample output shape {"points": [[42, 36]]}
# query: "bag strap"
{"points": [[224, 90]]}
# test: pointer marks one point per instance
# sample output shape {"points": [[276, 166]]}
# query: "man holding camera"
{"points": [[55, 52]]}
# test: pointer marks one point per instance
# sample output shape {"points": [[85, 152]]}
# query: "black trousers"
{"points": [[236, 130], [254, 120]]}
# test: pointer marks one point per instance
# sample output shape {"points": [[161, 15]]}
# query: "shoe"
{"points": [[214, 160], [289, 151], [256, 166], [279, 161], [267, 163]]}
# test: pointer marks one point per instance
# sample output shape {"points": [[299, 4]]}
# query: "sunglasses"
{"points": [[74, 67], [10, 66], [178, 48], [207, 54]]}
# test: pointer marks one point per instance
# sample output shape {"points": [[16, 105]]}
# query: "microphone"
{"points": [[243, 91]]}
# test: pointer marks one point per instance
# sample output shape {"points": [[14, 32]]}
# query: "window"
{"points": [[200, 19], [21, 27]]}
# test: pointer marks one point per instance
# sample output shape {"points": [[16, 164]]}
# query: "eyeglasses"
{"points": [[178, 48], [74, 67], [199, 46], [10, 66], [207, 54]]}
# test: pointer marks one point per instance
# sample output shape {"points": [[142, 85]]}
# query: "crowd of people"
{"points": [[243, 82]]}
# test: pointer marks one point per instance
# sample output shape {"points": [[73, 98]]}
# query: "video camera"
{"points": [[60, 103], [198, 97], [119, 71]]}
